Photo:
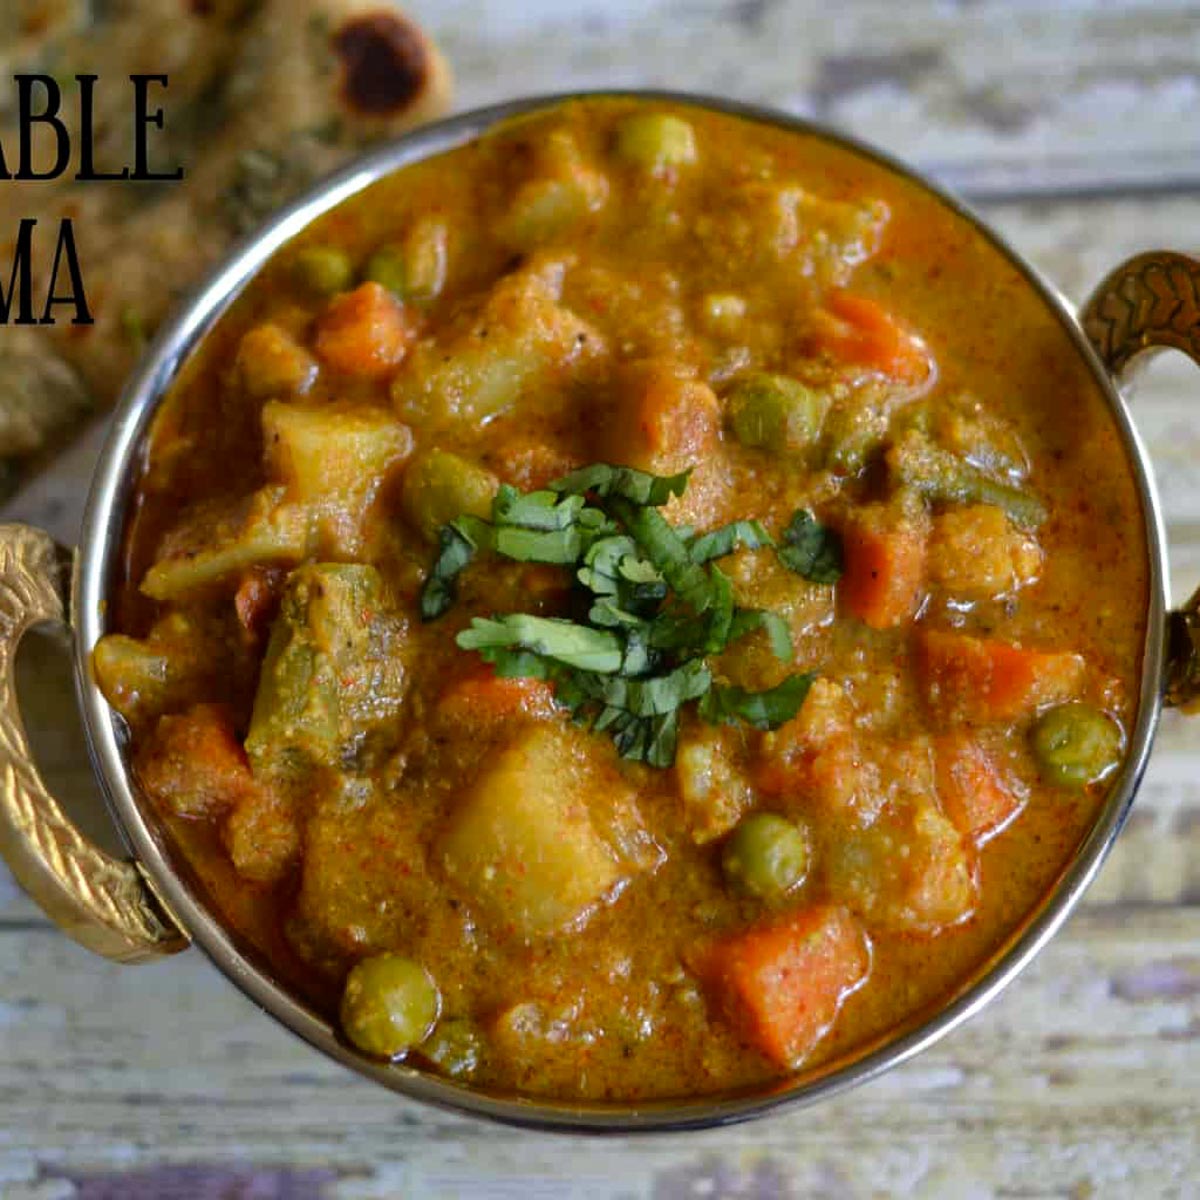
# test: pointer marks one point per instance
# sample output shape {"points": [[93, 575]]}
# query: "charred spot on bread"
{"points": [[385, 63]]}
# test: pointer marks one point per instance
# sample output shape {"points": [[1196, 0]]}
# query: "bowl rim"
{"points": [[102, 535]]}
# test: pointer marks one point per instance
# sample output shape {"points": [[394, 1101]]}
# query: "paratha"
{"points": [[264, 97]]}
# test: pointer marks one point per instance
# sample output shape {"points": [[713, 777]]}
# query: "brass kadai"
{"points": [[131, 910], [1148, 304], [102, 902]]}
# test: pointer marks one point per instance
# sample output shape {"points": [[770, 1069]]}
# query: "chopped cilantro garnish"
{"points": [[637, 487], [657, 604]]}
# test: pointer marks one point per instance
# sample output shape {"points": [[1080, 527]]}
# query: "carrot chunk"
{"points": [[857, 330], [665, 419], [977, 680], [795, 758], [262, 836], [364, 332], [884, 554], [782, 984], [194, 766], [973, 792], [484, 698]]}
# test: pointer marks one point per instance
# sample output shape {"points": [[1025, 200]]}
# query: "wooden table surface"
{"points": [[1075, 127]]}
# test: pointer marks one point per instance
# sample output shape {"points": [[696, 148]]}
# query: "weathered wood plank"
{"points": [[995, 97], [169, 1064]]}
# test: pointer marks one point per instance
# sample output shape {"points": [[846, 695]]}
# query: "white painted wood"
{"points": [[1083, 1079], [1081, 1076], [995, 96]]}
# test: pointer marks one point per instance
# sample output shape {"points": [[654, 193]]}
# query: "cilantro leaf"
{"points": [[458, 544], [726, 704], [509, 663], [720, 611], [564, 641], [535, 510], [749, 535], [811, 549], [668, 552], [638, 487], [559, 547], [747, 620]]}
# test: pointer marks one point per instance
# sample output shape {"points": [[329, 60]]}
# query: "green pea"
{"points": [[389, 1005], [774, 412], [455, 1047], [387, 267], [323, 270], [656, 141], [765, 856], [413, 268], [1076, 745]]}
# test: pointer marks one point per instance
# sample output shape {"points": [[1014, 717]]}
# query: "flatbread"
{"points": [[265, 96]]}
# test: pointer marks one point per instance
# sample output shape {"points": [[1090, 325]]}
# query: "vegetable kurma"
{"points": [[638, 605]]}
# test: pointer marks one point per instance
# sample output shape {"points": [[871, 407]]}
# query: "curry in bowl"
{"points": [[636, 606]]}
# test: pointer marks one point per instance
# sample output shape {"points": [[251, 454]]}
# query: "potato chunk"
{"points": [[977, 552], [333, 671], [712, 789], [564, 190], [333, 459], [270, 362], [522, 340], [527, 844], [765, 223], [900, 863]]}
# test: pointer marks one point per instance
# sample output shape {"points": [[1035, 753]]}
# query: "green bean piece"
{"points": [[773, 412], [656, 141], [389, 1005], [916, 462], [765, 857], [439, 486], [323, 270], [1076, 745]]}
